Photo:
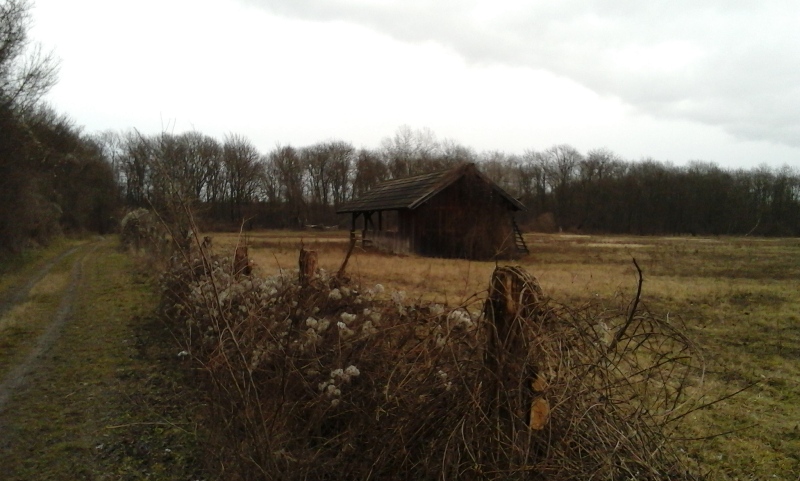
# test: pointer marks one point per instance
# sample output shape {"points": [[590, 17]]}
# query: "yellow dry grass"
{"points": [[17, 315], [450, 281], [50, 284], [28, 313]]}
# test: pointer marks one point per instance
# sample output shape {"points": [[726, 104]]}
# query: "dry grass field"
{"points": [[738, 298]]}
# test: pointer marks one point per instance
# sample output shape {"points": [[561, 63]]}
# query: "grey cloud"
{"points": [[737, 66]]}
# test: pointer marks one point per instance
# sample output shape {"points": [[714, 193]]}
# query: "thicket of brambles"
{"points": [[316, 377]]}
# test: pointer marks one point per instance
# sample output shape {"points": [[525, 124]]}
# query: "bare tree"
{"points": [[500, 168], [270, 185], [369, 172], [411, 152], [316, 161], [561, 165], [287, 164], [136, 168], [341, 170], [111, 146], [26, 71], [452, 153], [243, 169]]}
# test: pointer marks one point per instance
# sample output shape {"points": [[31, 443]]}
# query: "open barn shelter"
{"points": [[456, 213]]}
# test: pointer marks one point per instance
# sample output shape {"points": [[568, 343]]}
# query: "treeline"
{"points": [[52, 177], [599, 192], [231, 182]]}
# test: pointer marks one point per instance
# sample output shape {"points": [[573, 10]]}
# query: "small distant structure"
{"points": [[456, 213]]}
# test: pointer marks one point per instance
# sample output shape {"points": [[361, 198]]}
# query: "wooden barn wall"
{"points": [[395, 237], [466, 220], [390, 241]]}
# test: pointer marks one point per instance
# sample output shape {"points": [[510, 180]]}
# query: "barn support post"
{"points": [[367, 222], [413, 245], [353, 218]]}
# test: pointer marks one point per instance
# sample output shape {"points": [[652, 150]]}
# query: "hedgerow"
{"points": [[331, 380]]}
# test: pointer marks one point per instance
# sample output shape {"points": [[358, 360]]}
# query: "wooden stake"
{"points": [[241, 262], [308, 266], [340, 273]]}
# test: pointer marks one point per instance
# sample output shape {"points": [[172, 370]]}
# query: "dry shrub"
{"points": [[325, 381], [141, 229]]}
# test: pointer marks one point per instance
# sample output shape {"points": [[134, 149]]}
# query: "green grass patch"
{"points": [[23, 323], [14, 267], [105, 402]]}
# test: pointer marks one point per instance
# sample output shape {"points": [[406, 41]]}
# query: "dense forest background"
{"points": [[55, 178]]}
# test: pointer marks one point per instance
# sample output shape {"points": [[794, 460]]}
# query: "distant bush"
{"points": [[140, 229]]}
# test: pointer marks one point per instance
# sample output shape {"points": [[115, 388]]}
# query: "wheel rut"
{"points": [[13, 297], [16, 378]]}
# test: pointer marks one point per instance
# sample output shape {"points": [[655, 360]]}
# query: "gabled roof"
{"points": [[411, 192]]}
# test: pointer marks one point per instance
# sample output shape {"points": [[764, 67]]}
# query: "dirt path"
{"points": [[94, 391], [14, 296], [16, 377]]}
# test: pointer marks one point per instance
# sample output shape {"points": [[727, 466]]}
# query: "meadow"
{"points": [[737, 298]]}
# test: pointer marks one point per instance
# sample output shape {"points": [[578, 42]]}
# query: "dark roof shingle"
{"points": [[411, 192]]}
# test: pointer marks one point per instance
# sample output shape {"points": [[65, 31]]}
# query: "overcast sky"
{"points": [[677, 80]]}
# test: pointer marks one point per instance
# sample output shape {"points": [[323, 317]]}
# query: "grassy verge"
{"points": [[104, 402], [14, 265]]}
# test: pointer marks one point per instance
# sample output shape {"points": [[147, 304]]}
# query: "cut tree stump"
{"points": [[516, 390], [308, 266], [242, 266]]}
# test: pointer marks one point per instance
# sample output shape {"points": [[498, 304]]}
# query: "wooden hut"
{"points": [[457, 213]]}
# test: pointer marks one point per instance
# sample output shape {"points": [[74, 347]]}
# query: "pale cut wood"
{"points": [[308, 266]]}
